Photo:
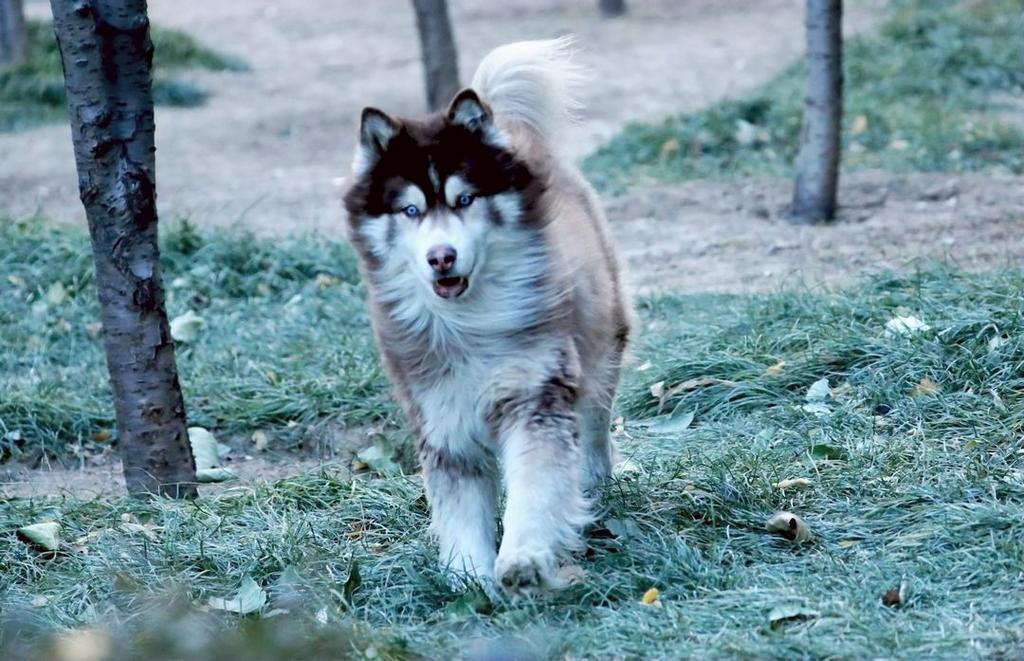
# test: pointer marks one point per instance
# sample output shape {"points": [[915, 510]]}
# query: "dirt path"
{"points": [[267, 149], [732, 237]]}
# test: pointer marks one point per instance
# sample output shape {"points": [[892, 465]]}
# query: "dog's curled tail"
{"points": [[533, 84]]}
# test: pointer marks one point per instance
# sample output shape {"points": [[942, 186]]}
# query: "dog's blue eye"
{"points": [[464, 200], [412, 211]]}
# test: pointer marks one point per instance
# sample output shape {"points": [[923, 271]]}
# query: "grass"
{"points": [[915, 461], [925, 93], [33, 93], [272, 312]]}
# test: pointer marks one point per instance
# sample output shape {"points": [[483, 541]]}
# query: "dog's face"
{"points": [[429, 194]]}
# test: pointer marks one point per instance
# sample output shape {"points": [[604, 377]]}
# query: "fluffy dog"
{"points": [[498, 310]]}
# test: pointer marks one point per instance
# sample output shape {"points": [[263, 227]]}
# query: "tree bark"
{"points": [[107, 56], [437, 45], [13, 34], [817, 165], [612, 8]]}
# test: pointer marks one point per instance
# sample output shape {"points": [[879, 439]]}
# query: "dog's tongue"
{"points": [[450, 287]]}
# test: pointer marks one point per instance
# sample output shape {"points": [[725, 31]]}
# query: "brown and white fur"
{"points": [[498, 309]]}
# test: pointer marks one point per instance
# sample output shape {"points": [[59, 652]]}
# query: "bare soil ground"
{"points": [[733, 237], [268, 150]]}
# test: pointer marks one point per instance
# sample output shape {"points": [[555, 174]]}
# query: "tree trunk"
{"points": [[817, 165], [13, 34], [107, 56], [612, 8], [440, 60]]}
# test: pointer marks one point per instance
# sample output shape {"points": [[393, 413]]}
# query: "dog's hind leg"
{"points": [[596, 444], [595, 412], [462, 492]]}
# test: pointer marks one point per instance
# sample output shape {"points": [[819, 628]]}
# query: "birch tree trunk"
{"points": [[437, 45], [612, 8], [13, 34], [817, 165], [107, 56]]}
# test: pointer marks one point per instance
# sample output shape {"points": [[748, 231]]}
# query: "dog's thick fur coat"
{"points": [[498, 309]]}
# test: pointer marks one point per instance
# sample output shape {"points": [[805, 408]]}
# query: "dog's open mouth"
{"points": [[450, 287]]}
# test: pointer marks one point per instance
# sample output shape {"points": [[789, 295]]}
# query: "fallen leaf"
{"points": [[788, 613], [776, 368], [895, 596], [996, 342], [326, 280], [793, 483], [819, 391], [207, 458], [380, 457], [94, 330], [146, 530], [746, 133], [627, 467], [57, 294], [669, 147], [926, 387], [650, 597], [471, 603], [645, 366], [693, 384], [260, 439], [790, 526], [674, 422], [905, 326], [249, 599], [17, 281], [185, 328], [45, 534], [847, 543], [860, 124], [658, 389], [819, 409]]}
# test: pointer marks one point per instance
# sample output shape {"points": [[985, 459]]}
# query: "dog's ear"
{"points": [[376, 129], [467, 110]]}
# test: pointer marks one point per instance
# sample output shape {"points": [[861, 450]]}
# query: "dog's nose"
{"points": [[441, 258]]}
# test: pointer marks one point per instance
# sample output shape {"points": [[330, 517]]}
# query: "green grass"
{"points": [[286, 339], [923, 490], [33, 93], [923, 94]]}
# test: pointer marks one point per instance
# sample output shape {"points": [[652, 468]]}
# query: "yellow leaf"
{"points": [[790, 526], [776, 368], [669, 147], [793, 483], [860, 124], [650, 597], [926, 387], [326, 280]]}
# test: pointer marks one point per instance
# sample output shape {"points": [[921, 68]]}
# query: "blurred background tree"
{"points": [[437, 45], [13, 34], [817, 163], [612, 8]]}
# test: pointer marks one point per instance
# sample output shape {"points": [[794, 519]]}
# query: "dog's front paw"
{"points": [[525, 574]]}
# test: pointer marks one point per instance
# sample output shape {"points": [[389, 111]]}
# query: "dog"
{"points": [[498, 309]]}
